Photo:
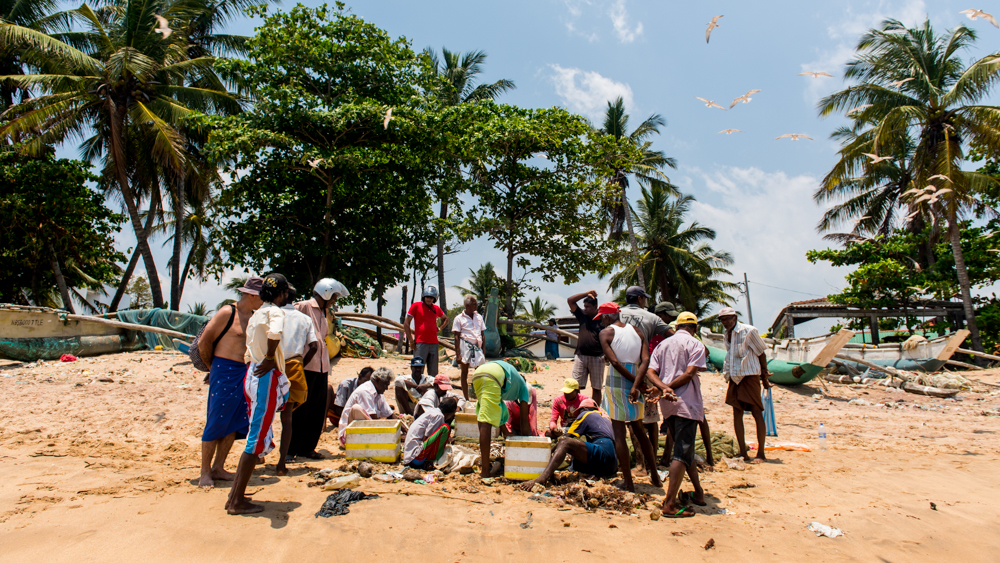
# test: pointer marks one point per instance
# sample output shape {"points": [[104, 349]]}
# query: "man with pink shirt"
{"points": [[564, 408], [674, 369]]}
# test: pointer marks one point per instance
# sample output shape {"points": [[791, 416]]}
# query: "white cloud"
{"points": [[764, 220], [591, 93], [619, 18]]}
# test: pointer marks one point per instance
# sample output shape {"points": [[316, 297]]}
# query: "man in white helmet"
{"points": [[309, 419], [427, 318]]}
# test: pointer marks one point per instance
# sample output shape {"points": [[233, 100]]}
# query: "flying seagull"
{"points": [[794, 136], [973, 14], [876, 158], [859, 108], [388, 118], [729, 131], [745, 98], [714, 24], [919, 289], [710, 103], [315, 162], [162, 26], [899, 83], [941, 176], [816, 74]]}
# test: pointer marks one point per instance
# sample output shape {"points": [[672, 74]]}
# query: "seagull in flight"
{"points": [[941, 176], [919, 289], [712, 25], [899, 83], [710, 103], [745, 98], [859, 108], [388, 118], [794, 136], [162, 26], [973, 14], [816, 74], [876, 158], [314, 162], [729, 131]]}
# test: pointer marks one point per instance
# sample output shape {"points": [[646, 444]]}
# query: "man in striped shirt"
{"points": [[746, 370]]}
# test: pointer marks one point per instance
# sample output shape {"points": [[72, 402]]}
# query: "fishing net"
{"points": [[522, 365], [163, 318], [357, 344]]}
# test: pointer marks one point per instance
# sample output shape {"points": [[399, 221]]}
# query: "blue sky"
{"points": [[755, 191]]}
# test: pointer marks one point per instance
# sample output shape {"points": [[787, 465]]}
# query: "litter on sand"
{"points": [[337, 504], [782, 446], [824, 530]]}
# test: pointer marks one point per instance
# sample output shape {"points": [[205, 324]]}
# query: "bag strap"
{"points": [[229, 323]]}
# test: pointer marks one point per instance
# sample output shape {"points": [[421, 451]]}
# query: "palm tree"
{"points": [[481, 281], [538, 311], [128, 85], [913, 82], [683, 267], [198, 308], [38, 15], [648, 171], [459, 74], [204, 257]]}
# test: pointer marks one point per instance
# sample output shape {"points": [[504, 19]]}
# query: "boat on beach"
{"points": [[29, 334]]}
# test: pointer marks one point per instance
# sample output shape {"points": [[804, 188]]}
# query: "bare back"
{"points": [[233, 344]]}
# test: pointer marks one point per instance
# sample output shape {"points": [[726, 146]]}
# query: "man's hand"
{"points": [[264, 367], [764, 380], [592, 293], [633, 395]]}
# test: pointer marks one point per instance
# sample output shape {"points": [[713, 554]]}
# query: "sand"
{"points": [[100, 461]]}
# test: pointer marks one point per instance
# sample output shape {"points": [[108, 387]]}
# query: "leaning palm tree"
{"points": [[39, 15], [648, 171], [460, 85], [537, 310], [913, 82], [128, 85]]}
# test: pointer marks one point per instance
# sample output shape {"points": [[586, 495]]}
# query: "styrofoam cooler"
{"points": [[467, 426], [526, 456], [375, 439]]}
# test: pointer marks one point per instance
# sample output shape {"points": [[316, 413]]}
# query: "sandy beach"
{"points": [[100, 460]]}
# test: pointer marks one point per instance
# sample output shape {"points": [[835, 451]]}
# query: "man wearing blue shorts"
{"points": [[596, 456]]}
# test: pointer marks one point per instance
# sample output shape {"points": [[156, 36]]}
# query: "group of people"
{"points": [[268, 357]]}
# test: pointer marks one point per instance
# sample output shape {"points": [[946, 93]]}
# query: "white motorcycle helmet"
{"points": [[327, 288]]}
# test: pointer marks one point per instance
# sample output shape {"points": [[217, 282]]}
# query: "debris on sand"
{"points": [[824, 530], [337, 504], [365, 469], [709, 544], [412, 475], [603, 496]]}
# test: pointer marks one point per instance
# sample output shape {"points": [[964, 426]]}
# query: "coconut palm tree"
{"points": [[678, 258], [460, 77], [126, 83], [648, 171], [39, 15], [537, 310], [914, 82], [481, 281]]}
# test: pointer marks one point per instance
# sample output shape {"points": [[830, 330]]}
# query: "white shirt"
{"points": [[265, 324], [469, 328], [419, 431], [368, 398], [742, 352], [298, 332]]}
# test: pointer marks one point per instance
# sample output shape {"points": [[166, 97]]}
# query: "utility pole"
{"points": [[746, 291]]}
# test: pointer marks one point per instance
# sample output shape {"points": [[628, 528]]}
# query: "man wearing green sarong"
{"points": [[495, 382]]}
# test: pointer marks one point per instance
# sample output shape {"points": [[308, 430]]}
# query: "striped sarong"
{"points": [[266, 395], [433, 447], [615, 400]]}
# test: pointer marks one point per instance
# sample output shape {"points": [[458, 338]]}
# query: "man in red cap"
{"points": [[431, 399], [596, 456]]}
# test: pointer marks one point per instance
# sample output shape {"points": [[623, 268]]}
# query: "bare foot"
{"points": [[244, 506], [223, 475], [626, 486], [655, 479], [206, 481], [757, 460], [280, 470]]}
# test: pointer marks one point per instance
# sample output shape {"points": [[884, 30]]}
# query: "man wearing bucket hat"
{"points": [[310, 418], [745, 368]]}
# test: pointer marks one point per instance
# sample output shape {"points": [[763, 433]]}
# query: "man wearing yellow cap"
{"points": [[564, 407]]}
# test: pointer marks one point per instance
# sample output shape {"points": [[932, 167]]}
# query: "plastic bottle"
{"points": [[343, 482], [822, 437]]}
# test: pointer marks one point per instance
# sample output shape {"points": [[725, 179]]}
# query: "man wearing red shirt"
{"points": [[564, 407], [425, 316]]}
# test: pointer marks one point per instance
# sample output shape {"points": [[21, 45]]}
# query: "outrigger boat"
{"points": [[29, 334]]}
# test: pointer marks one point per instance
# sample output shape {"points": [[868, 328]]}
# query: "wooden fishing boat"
{"points": [[29, 334], [791, 362]]}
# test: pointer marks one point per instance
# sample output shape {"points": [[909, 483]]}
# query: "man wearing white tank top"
{"points": [[626, 350]]}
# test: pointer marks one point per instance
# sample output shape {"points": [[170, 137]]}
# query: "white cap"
{"points": [[727, 312], [328, 287]]}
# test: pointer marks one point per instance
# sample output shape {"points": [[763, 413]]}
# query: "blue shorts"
{"points": [[601, 459]]}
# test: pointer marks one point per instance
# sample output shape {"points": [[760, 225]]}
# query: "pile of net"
{"points": [[357, 344], [723, 445], [522, 365], [163, 318], [940, 380]]}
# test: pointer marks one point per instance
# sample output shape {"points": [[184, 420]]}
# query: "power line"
{"points": [[786, 289]]}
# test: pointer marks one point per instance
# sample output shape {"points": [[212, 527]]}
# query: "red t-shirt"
{"points": [[425, 322], [563, 411]]}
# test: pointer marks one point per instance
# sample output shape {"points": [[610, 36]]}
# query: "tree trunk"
{"points": [[404, 348], [379, 301], [127, 274], [186, 271], [964, 283], [509, 298], [175, 264], [60, 280], [440, 261], [631, 239]]}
